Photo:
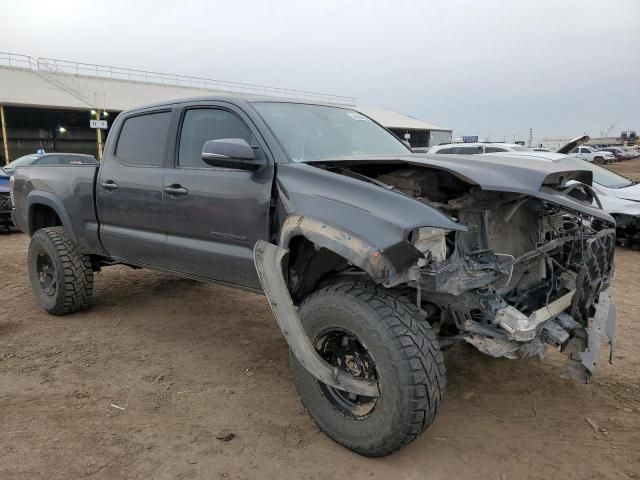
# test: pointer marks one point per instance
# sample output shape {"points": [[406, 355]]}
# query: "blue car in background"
{"points": [[5, 200]]}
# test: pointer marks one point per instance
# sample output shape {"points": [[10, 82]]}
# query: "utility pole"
{"points": [[5, 140], [530, 137], [99, 134], [96, 113]]}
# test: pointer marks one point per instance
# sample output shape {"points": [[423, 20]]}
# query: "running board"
{"points": [[268, 261]]}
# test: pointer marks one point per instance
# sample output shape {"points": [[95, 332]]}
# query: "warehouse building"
{"points": [[61, 106], [418, 133]]}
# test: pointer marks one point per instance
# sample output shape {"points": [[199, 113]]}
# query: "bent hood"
{"points": [[368, 210], [530, 176], [385, 217]]}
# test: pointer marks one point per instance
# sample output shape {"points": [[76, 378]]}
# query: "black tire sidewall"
{"points": [[40, 242], [387, 426]]}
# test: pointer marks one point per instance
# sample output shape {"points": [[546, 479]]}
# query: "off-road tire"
{"points": [[73, 272], [407, 357]]}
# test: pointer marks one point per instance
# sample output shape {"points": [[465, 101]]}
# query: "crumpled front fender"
{"points": [[349, 246], [268, 260]]}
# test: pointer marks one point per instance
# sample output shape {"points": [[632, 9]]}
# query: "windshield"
{"points": [[519, 148], [23, 161], [317, 132], [601, 175]]}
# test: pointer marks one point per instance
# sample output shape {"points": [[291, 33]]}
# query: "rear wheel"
{"points": [[598, 160], [370, 333], [61, 277]]}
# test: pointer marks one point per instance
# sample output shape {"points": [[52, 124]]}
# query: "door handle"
{"points": [[109, 185], [176, 190]]}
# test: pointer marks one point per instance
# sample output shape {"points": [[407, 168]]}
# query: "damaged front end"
{"points": [[508, 306], [527, 274], [509, 258]]}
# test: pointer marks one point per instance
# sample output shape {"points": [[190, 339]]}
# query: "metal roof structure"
{"points": [[46, 82], [391, 119], [52, 83]]}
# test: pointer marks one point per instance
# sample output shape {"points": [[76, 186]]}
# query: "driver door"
{"points": [[214, 216]]}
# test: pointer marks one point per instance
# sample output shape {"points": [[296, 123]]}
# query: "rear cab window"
{"points": [[143, 138]]}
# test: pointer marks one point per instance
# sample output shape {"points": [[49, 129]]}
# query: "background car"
{"points": [[5, 200], [50, 159], [476, 148], [590, 154], [618, 153], [619, 196]]}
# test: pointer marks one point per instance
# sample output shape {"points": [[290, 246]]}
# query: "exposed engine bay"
{"points": [[527, 273]]}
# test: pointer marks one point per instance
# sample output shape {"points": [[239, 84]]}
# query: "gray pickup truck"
{"points": [[370, 256]]}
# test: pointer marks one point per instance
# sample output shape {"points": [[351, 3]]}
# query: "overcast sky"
{"points": [[492, 68]]}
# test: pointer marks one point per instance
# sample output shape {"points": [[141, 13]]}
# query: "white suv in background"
{"points": [[618, 196], [592, 155], [476, 148]]}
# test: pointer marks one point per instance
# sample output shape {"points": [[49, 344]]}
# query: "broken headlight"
{"points": [[431, 242]]}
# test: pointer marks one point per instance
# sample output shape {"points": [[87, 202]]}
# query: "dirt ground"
{"points": [[139, 386]]}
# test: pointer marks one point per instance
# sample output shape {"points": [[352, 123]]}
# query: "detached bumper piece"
{"points": [[578, 322], [584, 347], [525, 336]]}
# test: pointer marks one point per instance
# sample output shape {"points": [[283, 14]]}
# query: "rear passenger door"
{"points": [[129, 189], [214, 216]]}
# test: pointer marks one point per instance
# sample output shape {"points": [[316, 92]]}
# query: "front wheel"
{"points": [[61, 277], [371, 333]]}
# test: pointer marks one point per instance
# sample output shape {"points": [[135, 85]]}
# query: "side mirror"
{"points": [[230, 153]]}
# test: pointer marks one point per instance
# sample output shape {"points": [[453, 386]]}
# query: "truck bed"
{"points": [[67, 189]]}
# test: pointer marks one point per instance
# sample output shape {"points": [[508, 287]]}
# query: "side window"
{"points": [[49, 160], [143, 138], [494, 149], [469, 150], [447, 150], [203, 124], [77, 160]]}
